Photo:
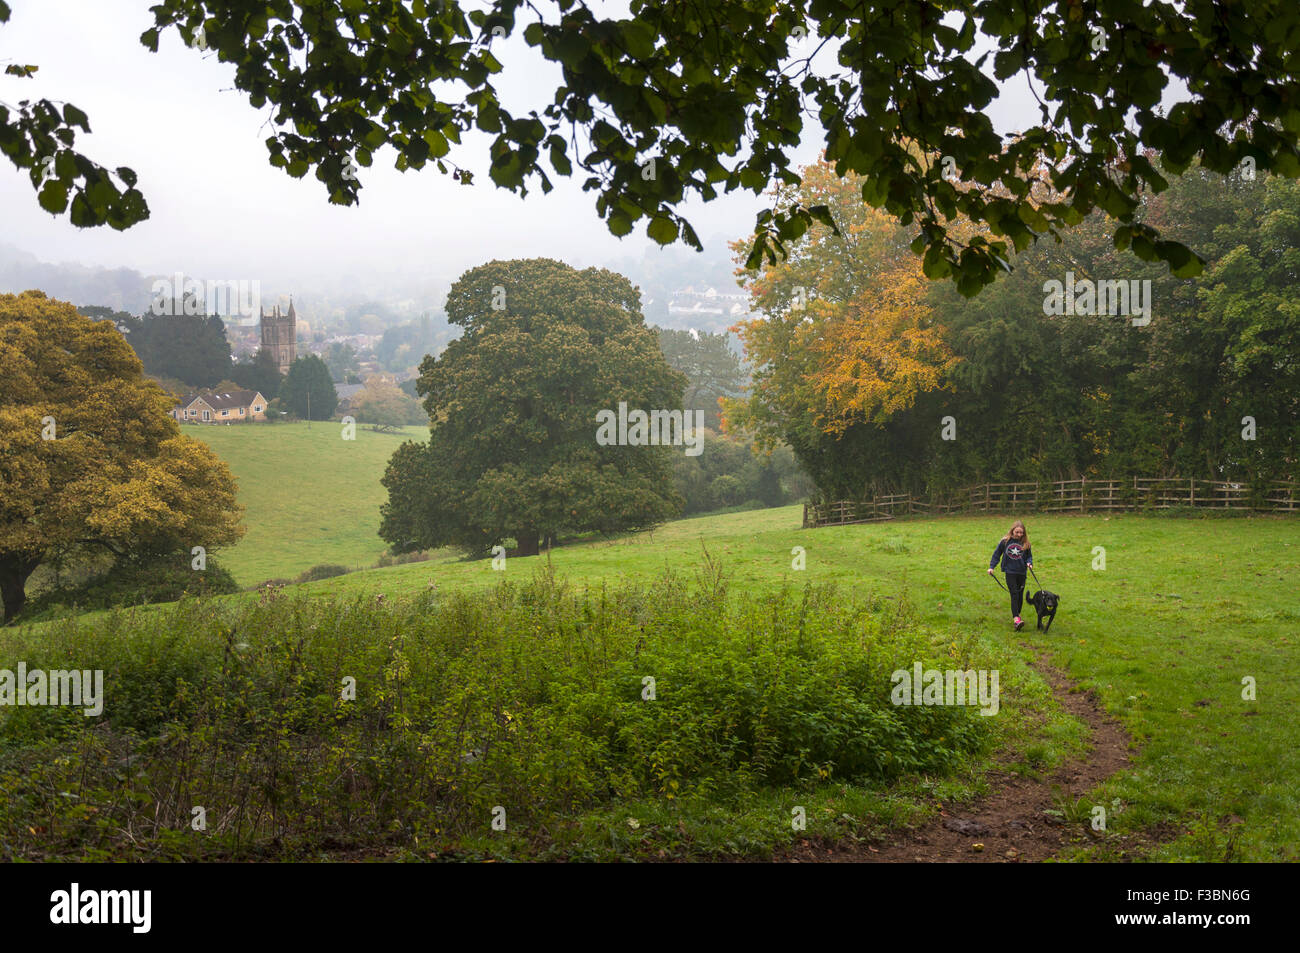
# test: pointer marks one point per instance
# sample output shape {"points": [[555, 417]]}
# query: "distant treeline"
{"points": [[885, 382]]}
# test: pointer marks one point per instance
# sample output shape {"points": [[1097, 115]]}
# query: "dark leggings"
{"points": [[1016, 586]]}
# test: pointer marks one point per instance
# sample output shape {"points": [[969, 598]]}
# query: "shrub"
{"points": [[731, 471], [726, 490], [322, 571], [532, 696]]}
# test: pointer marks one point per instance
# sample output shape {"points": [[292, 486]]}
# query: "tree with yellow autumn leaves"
{"points": [[847, 340], [90, 458], [882, 382]]}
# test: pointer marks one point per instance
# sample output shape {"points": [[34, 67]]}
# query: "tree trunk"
{"points": [[14, 570], [527, 541]]}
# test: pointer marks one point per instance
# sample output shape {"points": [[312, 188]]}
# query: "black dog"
{"points": [[1044, 604]]}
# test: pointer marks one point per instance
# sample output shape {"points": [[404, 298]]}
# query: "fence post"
{"points": [[1191, 491]]}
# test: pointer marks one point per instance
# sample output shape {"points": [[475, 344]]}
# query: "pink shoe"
{"points": [[1020, 623]]}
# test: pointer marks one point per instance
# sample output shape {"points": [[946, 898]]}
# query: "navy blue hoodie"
{"points": [[1016, 557]]}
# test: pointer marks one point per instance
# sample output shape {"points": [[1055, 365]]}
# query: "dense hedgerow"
{"points": [[322, 571], [401, 559], [534, 698]]}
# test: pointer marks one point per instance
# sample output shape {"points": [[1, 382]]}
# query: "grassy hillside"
{"points": [[310, 496], [1183, 611]]}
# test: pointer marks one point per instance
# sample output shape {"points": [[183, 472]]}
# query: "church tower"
{"points": [[280, 336]]}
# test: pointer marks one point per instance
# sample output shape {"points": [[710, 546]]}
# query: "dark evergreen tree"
{"points": [[261, 374], [189, 347], [711, 367], [307, 390]]}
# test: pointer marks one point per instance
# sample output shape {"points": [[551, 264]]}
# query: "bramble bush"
{"points": [[533, 697]]}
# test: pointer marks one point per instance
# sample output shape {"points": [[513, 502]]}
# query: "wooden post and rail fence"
{"points": [[1083, 495]]}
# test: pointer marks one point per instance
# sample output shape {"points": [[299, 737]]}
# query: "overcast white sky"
{"points": [[219, 210]]}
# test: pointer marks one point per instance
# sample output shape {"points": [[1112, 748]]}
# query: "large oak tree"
{"points": [[513, 405], [89, 456]]}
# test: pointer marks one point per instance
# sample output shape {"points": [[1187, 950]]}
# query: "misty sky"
{"points": [[219, 210]]}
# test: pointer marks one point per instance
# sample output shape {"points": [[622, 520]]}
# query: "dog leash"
{"points": [[1005, 589]]}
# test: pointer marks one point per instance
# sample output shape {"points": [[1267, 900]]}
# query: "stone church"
{"points": [[280, 336]]}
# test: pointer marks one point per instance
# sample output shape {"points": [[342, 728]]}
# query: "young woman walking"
{"points": [[1017, 560]]}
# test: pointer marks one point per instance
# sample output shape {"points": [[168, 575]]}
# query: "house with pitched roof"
{"points": [[347, 394], [236, 406]]}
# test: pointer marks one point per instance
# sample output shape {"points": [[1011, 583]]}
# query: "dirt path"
{"points": [[1009, 822]]}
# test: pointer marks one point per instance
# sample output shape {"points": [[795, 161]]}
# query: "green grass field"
{"points": [[310, 497], [1185, 609]]}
